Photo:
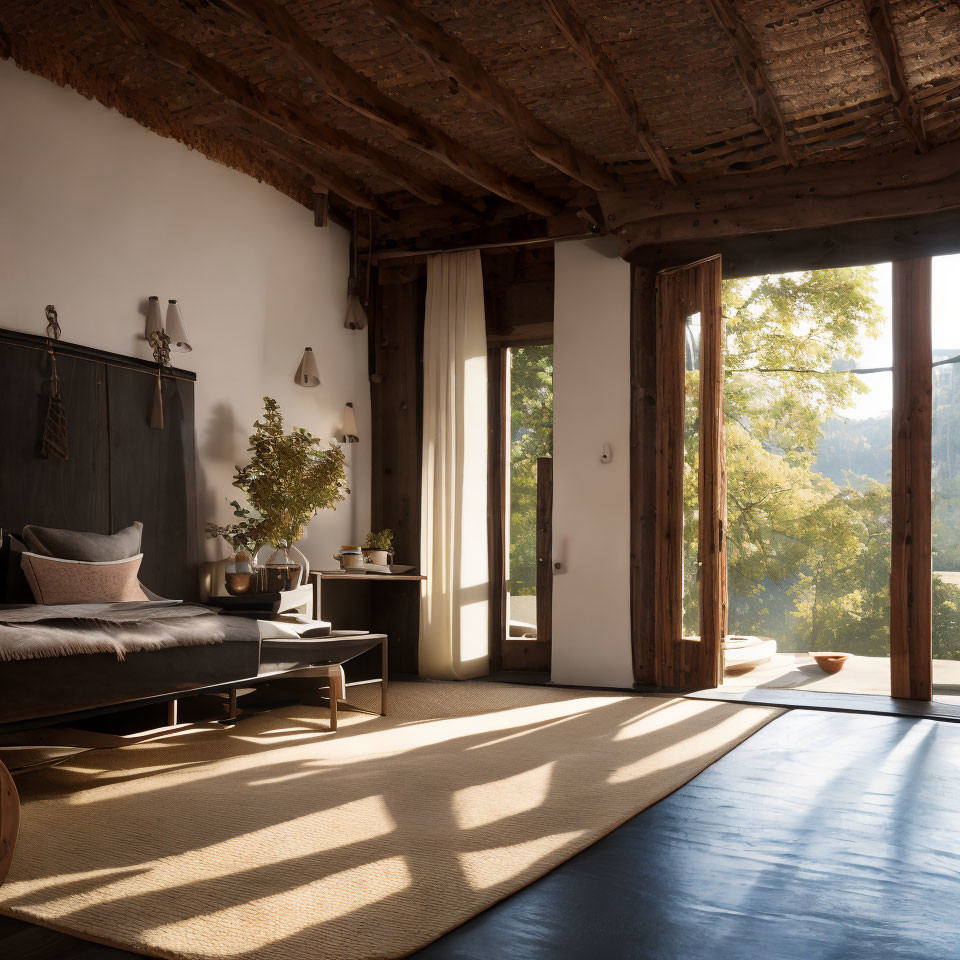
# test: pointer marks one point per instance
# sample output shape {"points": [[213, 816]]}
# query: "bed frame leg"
{"points": [[9, 820], [171, 713]]}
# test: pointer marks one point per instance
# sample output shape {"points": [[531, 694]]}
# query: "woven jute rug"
{"points": [[278, 840]]}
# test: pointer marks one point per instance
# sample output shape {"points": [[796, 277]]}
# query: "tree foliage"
{"points": [[531, 437], [808, 502]]}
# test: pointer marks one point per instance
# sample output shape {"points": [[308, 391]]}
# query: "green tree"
{"points": [[808, 558], [531, 437]]}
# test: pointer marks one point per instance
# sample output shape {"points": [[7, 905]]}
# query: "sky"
{"points": [[879, 352]]}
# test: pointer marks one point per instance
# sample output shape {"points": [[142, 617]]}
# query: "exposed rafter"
{"points": [[878, 17], [590, 51], [878, 188], [749, 64], [321, 175], [288, 117], [450, 57], [358, 93]]}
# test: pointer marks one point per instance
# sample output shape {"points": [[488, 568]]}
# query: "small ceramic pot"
{"points": [[376, 556], [350, 557]]}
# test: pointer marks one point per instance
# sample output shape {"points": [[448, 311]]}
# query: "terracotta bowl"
{"points": [[830, 662]]}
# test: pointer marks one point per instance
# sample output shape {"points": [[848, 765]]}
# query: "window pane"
{"points": [[946, 476], [531, 437], [691, 478], [808, 466]]}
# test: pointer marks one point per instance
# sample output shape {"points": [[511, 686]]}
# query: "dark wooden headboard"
{"points": [[120, 470]]}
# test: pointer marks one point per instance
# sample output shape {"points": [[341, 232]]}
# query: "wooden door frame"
{"points": [[682, 663]]}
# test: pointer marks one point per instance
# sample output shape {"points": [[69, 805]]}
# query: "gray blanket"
{"points": [[36, 631]]}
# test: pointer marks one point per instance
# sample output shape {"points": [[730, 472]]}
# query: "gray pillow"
{"points": [[89, 547]]}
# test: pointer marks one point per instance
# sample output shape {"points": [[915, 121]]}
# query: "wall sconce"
{"points": [[308, 375], [350, 432], [174, 326], [164, 337], [179, 340]]}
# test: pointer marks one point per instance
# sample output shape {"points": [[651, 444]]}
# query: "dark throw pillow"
{"points": [[89, 547]]}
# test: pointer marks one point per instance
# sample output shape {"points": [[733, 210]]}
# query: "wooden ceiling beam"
{"points": [[450, 57], [613, 85], [820, 195], [878, 18], [353, 90], [322, 176], [749, 65], [290, 118]]}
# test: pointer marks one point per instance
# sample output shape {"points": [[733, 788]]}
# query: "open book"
{"points": [[293, 626]]}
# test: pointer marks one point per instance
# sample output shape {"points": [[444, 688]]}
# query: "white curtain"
{"points": [[453, 517]]}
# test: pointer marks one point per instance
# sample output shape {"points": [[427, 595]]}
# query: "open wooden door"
{"points": [[690, 605]]}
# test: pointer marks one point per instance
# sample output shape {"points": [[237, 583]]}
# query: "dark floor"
{"points": [[825, 835], [942, 707]]}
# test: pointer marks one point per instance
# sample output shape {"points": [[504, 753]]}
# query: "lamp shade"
{"points": [[176, 330], [307, 373], [154, 319], [350, 432]]}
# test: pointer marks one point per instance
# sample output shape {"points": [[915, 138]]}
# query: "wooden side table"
{"points": [[383, 603], [320, 659]]}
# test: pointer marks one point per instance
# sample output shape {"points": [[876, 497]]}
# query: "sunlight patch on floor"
{"points": [[488, 868], [486, 803], [276, 917]]}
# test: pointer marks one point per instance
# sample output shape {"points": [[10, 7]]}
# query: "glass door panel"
{"points": [[808, 402]]}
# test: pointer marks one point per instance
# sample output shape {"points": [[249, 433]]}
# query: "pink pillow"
{"points": [[53, 580]]}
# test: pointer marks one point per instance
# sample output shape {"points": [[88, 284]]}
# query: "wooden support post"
{"points": [[643, 470], [9, 820], [911, 602]]}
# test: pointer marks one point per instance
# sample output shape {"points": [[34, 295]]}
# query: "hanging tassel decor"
{"points": [[160, 341], [53, 440]]}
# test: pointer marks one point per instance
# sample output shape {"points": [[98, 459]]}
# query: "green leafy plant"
{"points": [[290, 477], [379, 540], [244, 536]]}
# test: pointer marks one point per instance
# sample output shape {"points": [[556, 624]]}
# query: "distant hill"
{"points": [[852, 449]]}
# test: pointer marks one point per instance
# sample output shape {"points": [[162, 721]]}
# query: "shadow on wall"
{"points": [[220, 436]]}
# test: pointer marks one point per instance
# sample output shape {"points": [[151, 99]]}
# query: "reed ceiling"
{"points": [[443, 116]]}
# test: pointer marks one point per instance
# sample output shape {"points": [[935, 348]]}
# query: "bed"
{"points": [[120, 473]]}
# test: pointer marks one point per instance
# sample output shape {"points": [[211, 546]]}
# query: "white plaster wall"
{"points": [[97, 213], [591, 509]]}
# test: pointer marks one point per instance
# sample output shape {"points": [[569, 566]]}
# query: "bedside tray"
{"points": [[342, 645]]}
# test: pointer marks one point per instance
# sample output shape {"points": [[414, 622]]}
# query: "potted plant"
{"points": [[290, 478], [378, 547], [244, 538]]}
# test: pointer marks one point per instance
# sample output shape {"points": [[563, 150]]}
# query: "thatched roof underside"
{"points": [[821, 65]]}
